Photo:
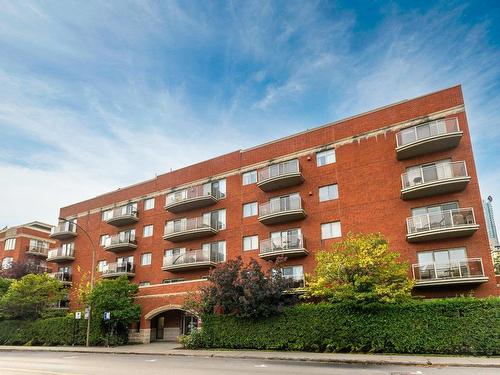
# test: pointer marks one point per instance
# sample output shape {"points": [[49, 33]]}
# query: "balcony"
{"points": [[191, 260], [190, 199], [121, 216], [63, 231], [435, 179], [61, 255], [120, 242], [188, 229], [279, 176], [293, 246], [281, 211], [441, 225], [37, 250], [467, 271], [430, 137], [112, 270], [63, 277]]}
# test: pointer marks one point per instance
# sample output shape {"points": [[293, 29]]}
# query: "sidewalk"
{"points": [[174, 349]]}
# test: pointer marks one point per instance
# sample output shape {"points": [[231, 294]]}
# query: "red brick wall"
{"points": [[368, 175]]}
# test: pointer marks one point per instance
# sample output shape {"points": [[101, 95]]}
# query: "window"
{"points": [[295, 274], [250, 209], [325, 157], [171, 281], [250, 243], [38, 244], [216, 219], [101, 265], [106, 215], [438, 209], [147, 231], [328, 193], [146, 259], [330, 230], [10, 244], [125, 264], [104, 240], [216, 250], [7, 262], [287, 239], [442, 264], [149, 204], [217, 188], [144, 283], [249, 177]]}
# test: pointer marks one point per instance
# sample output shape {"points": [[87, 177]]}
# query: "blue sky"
{"points": [[98, 95]]}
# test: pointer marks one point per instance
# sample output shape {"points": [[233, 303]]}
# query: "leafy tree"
{"points": [[4, 285], [242, 290], [30, 297], [496, 263], [361, 268], [117, 297]]}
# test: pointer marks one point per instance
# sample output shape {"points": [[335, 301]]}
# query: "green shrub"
{"points": [[451, 326]]}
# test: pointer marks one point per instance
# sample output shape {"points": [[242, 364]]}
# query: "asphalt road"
{"points": [[51, 363]]}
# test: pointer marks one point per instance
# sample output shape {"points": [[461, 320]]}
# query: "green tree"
{"points": [[4, 285], [31, 297], [117, 297], [242, 290], [361, 268]]}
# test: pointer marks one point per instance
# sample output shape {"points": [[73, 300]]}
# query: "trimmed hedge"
{"points": [[51, 332], [451, 326]]}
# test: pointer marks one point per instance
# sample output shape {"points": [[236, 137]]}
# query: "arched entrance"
{"points": [[169, 322]]}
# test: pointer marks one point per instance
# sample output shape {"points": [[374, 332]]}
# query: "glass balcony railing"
{"points": [[64, 277], [441, 220], [190, 193], [191, 257], [63, 230], [280, 205], [278, 170], [460, 269], [118, 268], [428, 130], [186, 225], [38, 249], [433, 173], [283, 244], [124, 238], [122, 215], [66, 253]]}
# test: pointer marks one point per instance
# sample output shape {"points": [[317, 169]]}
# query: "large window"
{"points": [[146, 259], [7, 262], [103, 241], [10, 244], [149, 204], [446, 263], [250, 209], [216, 219], [249, 177], [325, 157], [217, 250], [147, 231], [330, 230], [295, 274], [101, 265], [434, 209], [328, 193], [287, 239], [250, 243]]}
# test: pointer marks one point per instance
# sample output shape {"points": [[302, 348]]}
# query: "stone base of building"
{"points": [[143, 336]]}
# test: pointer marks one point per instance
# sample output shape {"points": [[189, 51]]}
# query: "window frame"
{"points": [[150, 254], [325, 154], [146, 207], [328, 191], [144, 230], [252, 180], [251, 237], [330, 223], [253, 207]]}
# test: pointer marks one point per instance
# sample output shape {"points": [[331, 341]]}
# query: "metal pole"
{"points": [[92, 270]]}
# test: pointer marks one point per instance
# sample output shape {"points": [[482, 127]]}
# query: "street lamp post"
{"points": [[92, 270]]}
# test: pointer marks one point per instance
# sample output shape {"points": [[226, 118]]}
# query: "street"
{"points": [[56, 363]]}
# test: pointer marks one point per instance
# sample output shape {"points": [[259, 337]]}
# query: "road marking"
{"points": [[260, 366], [151, 360], [34, 371], [70, 357]]}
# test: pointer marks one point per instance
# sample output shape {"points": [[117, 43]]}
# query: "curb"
{"points": [[234, 355]]}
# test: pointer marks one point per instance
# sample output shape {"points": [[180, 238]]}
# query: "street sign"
{"points": [[78, 315], [107, 315], [87, 314]]}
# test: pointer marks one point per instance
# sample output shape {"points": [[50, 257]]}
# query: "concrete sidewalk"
{"points": [[174, 349]]}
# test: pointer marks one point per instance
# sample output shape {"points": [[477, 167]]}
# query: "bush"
{"points": [[454, 326]]}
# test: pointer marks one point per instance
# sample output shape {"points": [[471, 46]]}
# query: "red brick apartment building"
{"points": [[405, 170], [27, 243]]}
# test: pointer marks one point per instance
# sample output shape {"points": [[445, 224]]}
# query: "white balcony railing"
{"points": [[192, 192], [61, 276], [460, 269], [192, 257], [433, 173], [38, 249], [118, 268], [272, 245], [186, 225], [441, 220], [278, 170], [63, 227], [427, 130], [61, 252], [280, 205]]}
